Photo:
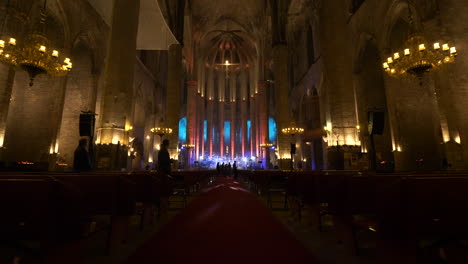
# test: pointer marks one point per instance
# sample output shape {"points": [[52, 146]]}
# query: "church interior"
{"points": [[297, 131]]}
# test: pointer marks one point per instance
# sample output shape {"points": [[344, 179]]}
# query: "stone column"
{"points": [[7, 75], [221, 105], [119, 72], [280, 58], [455, 86], [173, 96], [191, 115], [232, 89], [244, 97], [263, 117], [116, 109]]}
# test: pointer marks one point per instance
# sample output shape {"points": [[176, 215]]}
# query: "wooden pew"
{"points": [[101, 194], [41, 210]]}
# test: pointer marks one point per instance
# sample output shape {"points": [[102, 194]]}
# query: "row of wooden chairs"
{"points": [[57, 209], [402, 209]]}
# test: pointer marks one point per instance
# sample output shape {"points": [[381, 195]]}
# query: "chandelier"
{"points": [[292, 130], [418, 58], [188, 146], [34, 55], [161, 131]]}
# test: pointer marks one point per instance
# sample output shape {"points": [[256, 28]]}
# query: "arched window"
{"points": [[272, 130], [183, 130]]}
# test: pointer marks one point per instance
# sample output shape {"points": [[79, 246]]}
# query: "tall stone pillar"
{"points": [[221, 106], [453, 30], [7, 76], [191, 115], [173, 96], [244, 97], [280, 58], [116, 109], [232, 89], [263, 117], [210, 139], [210, 109]]}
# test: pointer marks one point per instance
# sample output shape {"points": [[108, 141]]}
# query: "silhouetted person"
{"points": [[218, 169], [164, 166], [164, 159], [234, 169], [228, 169], [81, 161]]}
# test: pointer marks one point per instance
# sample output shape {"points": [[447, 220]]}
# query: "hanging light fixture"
{"points": [[418, 56], [292, 130], [35, 55]]}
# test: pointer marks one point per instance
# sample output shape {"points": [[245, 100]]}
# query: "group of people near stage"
{"points": [[226, 169]]}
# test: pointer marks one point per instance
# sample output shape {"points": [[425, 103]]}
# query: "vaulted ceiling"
{"points": [[229, 29]]}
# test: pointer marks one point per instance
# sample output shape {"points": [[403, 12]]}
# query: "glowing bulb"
{"points": [[2, 43], [396, 56], [385, 66], [67, 60], [436, 46], [42, 49], [422, 47], [389, 60], [12, 41], [453, 50], [445, 47], [227, 62], [407, 52], [55, 53], [358, 127]]}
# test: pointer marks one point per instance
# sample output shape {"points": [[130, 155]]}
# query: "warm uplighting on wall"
{"points": [[457, 139], [115, 140], [2, 138]]}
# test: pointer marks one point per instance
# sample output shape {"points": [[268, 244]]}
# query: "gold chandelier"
{"points": [[292, 130], [418, 58], [161, 131], [34, 55]]}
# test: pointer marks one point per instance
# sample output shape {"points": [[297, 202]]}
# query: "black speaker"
{"points": [[86, 125], [376, 122], [293, 148]]}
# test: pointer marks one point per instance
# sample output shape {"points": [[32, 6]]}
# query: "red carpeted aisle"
{"points": [[225, 224]]}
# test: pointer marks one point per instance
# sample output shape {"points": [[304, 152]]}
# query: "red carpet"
{"points": [[225, 224]]}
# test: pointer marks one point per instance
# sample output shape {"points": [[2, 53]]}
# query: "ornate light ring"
{"points": [[188, 146], [161, 130], [292, 130], [417, 58]]}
